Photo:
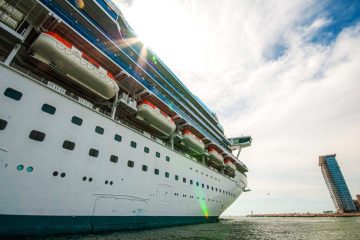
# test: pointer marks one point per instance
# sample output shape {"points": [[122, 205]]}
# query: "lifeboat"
{"points": [[51, 48], [215, 157], [154, 117], [193, 142], [229, 166]]}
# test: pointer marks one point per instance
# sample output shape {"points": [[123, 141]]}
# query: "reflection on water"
{"points": [[243, 228]]}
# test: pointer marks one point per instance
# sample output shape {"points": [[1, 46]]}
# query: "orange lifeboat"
{"points": [[215, 157], [51, 48], [154, 117], [230, 166], [192, 142]]}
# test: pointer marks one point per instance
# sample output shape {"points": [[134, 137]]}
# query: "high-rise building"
{"points": [[336, 184]]}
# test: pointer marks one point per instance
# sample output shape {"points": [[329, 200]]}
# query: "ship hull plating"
{"points": [[47, 188]]}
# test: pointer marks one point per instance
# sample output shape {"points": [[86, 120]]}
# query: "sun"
{"points": [[164, 26]]}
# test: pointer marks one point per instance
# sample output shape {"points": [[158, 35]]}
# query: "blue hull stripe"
{"points": [[11, 225]]}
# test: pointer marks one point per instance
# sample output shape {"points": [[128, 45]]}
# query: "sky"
{"points": [[285, 72]]}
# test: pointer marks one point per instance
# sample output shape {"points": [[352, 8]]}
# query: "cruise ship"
{"points": [[97, 133]]}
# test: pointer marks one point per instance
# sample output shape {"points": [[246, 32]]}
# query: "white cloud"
{"points": [[298, 106]]}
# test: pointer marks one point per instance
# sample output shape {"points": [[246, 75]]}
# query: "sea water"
{"points": [[247, 228]]}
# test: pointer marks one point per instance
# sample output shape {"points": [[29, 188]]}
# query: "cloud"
{"points": [[285, 72]]}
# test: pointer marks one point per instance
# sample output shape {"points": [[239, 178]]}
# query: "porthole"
{"points": [[93, 152], [114, 158], [111, 182], [84, 179], [99, 130], [20, 167], [130, 164], [167, 158], [37, 136], [48, 109], [176, 177], [167, 175], [157, 154], [106, 182], [156, 171], [144, 168], [68, 145], [133, 144], [76, 120], [117, 138], [29, 169], [146, 149], [13, 94], [90, 179], [3, 124], [62, 175], [55, 173]]}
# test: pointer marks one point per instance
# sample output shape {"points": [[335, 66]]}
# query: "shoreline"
{"points": [[357, 214]]}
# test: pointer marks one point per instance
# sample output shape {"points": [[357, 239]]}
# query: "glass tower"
{"points": [[336, 184]]}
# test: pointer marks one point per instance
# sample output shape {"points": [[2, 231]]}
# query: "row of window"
{"points": [[69, 145], [144, 168]]}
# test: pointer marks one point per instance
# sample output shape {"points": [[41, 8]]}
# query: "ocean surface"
{"points": [[242, 228]]}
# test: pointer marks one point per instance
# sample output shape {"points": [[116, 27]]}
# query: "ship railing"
{"points": [[88, 104]]}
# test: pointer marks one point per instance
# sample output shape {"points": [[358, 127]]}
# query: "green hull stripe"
{"points": [[40, 225]]}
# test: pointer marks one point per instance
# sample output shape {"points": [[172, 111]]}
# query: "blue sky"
{"points": [[285, 72]]}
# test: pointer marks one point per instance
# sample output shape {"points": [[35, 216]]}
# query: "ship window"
{"points": [[93, 152], [90, 179], [117, 138], [84, 179], [207, 186], [144, 168], [114, 158], [20, 167], [157, 154], [176, 177], [76, 120], [55, 173], [99, 130], [37, 136], [216, 189], [130, 164], [184, 180], [48, 109], [12, 93], [156, 171], [133, 144], [212, 188], [146, 149], [197, 184], [191, 182], [167, 158], [3, 124], [202, 185], [167, 174], [68, 145], [62, 175]]}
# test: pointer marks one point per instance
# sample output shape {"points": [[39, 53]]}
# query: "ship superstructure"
{"points": [[96, 133]]}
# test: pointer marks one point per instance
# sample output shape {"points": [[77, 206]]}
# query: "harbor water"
{"points": [[247, 228]]}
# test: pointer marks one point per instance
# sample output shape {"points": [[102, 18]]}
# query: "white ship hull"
{"points": [[38, 202]]}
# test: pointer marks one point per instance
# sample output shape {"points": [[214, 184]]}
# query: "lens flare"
{"points": [[202, 202]]}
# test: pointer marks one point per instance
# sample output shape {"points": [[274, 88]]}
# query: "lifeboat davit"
{"points": [[215, 157], [193, 142], [230, 166], [51, 48], [154, 117]]}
